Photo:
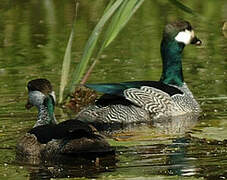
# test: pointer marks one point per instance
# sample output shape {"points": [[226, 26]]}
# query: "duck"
{"points": [[49, 140], [147, 101]]}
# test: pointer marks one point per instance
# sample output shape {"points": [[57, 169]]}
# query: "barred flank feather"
{"points": [[151, 99], [185, 103], [148, 104], [119, 114]]}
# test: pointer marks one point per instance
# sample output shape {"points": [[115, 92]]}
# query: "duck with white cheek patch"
{"points": [[52, 141], [146, 101]]}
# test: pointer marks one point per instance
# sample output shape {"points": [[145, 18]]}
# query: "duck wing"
{"points": [[151, 99], [70, 129], [114, 93], [119, 88]]}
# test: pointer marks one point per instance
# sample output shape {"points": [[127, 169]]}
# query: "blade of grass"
{"points": [[119, 20], [67, 59], [183, 7], [109, 6], [90, 45]]}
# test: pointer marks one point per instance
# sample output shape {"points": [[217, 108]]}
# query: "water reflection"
{"points": [[177, 159], [74, 167], [183, 156], [164, 125], [176, 124]]}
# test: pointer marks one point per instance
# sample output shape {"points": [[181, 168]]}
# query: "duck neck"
{"points": [[171, 59], [46, 112]]}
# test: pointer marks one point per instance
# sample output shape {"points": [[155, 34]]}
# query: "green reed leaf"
{"points": [[67, 60], [91, 43], [119, 20], [183, 7]]}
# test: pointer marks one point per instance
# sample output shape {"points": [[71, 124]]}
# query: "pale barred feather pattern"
{"points": [[129, 114], [114, 113], [149, 104], [186, 102], [151, 99]]}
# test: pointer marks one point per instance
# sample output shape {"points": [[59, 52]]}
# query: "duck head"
{"points": [[42, 85], [175, 36], [181, 32], [41, 95]]}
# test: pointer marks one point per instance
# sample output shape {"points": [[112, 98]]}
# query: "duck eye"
{"points": [[189, 28], [182, 30]]}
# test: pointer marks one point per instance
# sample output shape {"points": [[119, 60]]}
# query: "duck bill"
{"points": [[28, 105], [196, 41]]}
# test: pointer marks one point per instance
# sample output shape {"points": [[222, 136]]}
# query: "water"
{"points": [[33, 36]]}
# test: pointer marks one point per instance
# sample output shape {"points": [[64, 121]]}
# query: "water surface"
{"points": [[33, 37]]}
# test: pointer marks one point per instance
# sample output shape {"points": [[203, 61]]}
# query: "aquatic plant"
{"points": [[67, 59], [120, 11]]}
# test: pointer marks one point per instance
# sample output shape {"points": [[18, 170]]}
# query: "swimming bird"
{"points": [[48, 139], [144, 101]]}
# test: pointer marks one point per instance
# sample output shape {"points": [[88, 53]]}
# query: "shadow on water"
{"points": [[69, 167]]}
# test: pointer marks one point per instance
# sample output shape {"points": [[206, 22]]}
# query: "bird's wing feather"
{"points": [[151, 99], [119, 88]]}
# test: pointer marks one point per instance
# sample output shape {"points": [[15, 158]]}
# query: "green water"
{"points": [[33, 37]]}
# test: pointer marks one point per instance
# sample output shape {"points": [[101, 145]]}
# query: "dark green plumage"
{"points": [[172, 65], [49, 104]]}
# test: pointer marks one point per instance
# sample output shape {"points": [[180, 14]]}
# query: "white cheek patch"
{"points": [[185, 36], [36, 98], [53, 95]]}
